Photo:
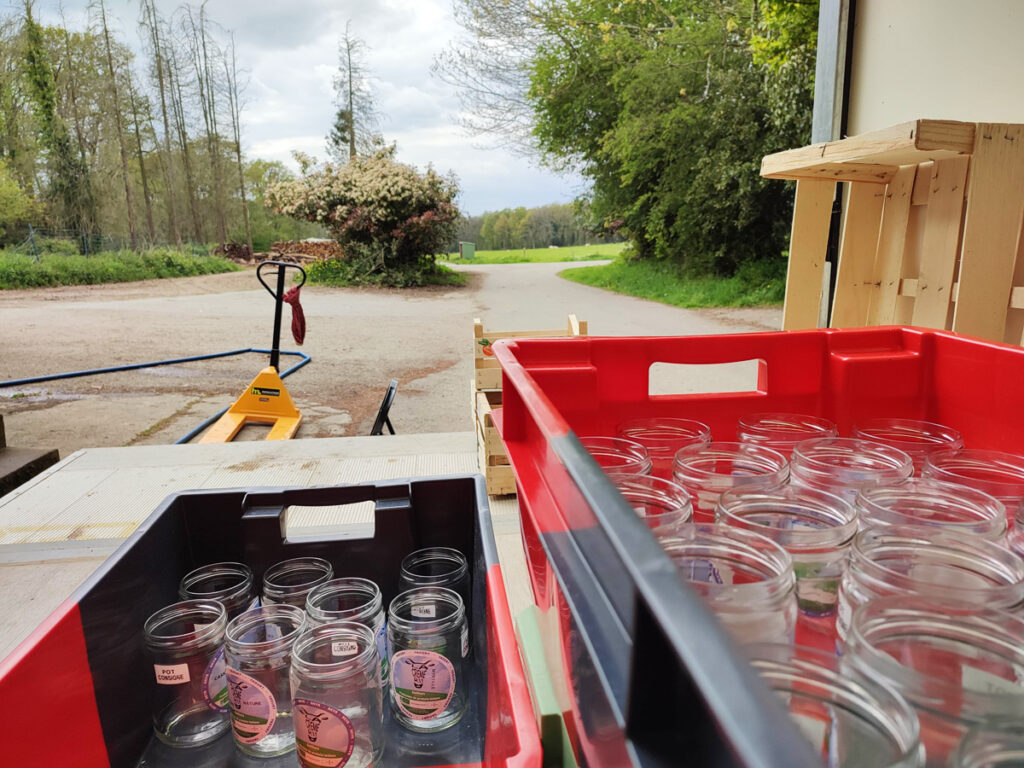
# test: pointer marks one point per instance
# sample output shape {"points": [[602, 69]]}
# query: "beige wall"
{"points": [[944, 59]]}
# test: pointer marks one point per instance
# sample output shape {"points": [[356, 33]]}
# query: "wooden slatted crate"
{"points": [[931, 234]]}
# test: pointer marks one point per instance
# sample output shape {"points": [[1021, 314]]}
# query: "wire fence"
{"points": [[69, 242]]}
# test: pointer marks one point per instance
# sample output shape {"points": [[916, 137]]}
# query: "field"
{"points": [[543, 255]]}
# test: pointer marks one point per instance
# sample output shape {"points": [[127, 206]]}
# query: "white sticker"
{"points": [[974, 679], [175, 674], [813, 729], [345, 648], [423, 611], [465, 641]]}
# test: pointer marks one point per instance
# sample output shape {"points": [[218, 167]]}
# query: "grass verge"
{"points": [[657, 281], [18, 270], [538, 255]]}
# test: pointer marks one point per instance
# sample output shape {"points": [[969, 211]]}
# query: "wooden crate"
{"points": [[932, 228], [488, 372]]}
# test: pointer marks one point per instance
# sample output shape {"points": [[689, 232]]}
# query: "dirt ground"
{"points": [[358, 339]]}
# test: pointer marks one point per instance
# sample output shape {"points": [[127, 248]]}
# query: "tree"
{"points": [[234, 103], [356, 121], [15, 205]]}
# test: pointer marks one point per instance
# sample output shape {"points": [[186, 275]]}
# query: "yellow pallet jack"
{"points": [[265, 400]]}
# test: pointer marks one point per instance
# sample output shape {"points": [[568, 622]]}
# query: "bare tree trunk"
{"points": [[236, 129], [208, 103], [133, 236], [178, 107], [142, 162], [351, 100], [75, 112]]}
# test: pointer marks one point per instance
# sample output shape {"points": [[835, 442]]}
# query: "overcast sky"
{"points": [[290, 49]]}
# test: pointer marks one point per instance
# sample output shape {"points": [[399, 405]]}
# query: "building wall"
{"points": [[943, 59]]}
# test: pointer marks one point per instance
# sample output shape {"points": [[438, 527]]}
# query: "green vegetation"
{"points": [[516, 228], [753, 285], [537, 255], [19, 270], [339, 272]]}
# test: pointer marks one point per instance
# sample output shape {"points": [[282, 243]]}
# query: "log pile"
{"points": [[307, 250]]}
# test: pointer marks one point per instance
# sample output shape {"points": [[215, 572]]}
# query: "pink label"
{"points": [[423, 683], [215, 683], [324, 737], [253, 707]]}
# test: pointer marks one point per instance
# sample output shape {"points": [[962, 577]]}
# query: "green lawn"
{"points": [[19, 270], [664, 283], [568, 253]]}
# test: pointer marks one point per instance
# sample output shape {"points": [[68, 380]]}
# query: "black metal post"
{"points": [[275, 350]]}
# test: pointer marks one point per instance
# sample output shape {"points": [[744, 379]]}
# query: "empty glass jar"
{"points": [[850, 720], [231, 584], [814, 527], [782, 431], [844, 465], [258, 649], [616, 454], [436, 567], [661, 504], [992, 745], [958, 665], [996, 473], [427, 635], [290, 581], [337, 698], [352, 599], [663, 437], [921, 560], [915, 438], [953, 508], [185, 642], [707, 471], [744, 578]]}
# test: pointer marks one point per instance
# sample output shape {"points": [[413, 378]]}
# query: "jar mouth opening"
{"points": [[724, 460], [909, 435], [218, 580], [328, 647], [934, 503], [344, 599], [664, 436], [653, 496], [186, 624], [617, 454], [265, 628], [825, 456], [998, 474], [792, 516], [425, 610], [301, 573], [783, 428], [434, 565], [702, 553]]}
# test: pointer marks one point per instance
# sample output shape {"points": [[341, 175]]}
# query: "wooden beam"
{"points": [[892, 241], [856, 280], [873, 174], [994, 211], [812, 215], [922, 184]]}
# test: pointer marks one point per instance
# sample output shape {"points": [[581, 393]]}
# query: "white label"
{"points": [[974, 679], [465, 641], [813, 729], [345, 648], [175, 674], [423, 611]]}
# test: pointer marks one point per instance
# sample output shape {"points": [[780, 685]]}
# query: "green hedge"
{"points": [[18, 270]]}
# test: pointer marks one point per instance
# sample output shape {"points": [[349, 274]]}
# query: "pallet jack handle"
{"points": [[282, 266]]}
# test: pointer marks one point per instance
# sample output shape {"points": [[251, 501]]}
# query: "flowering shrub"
{"points": [[377, 208]]}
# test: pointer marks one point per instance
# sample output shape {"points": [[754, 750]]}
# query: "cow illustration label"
{"points": [[423, 683], [324, 737], [215, 683], [253, 707], [171, 674]]}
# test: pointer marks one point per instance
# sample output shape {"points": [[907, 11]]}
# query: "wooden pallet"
{"points": [[932, 228]]}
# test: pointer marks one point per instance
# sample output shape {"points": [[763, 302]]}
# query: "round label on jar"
{"points": [[215, 683], [323, 735], [253, 707], [423, 683]]}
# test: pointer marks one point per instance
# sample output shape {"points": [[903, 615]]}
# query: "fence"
{"points": [[69, 242]]}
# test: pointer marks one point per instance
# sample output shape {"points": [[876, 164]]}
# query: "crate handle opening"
{"points": [[706, 378]]}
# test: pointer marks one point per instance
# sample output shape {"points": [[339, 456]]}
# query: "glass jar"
{"points": [[744, 578], [915, 438], [290, 581], [845, 465], [850, 720], [185, 644], [662, 504], [708, 471], [429, 641], [436, 567], [959, 665], [663, 438], [352, 599], [337, 698], [1015, 533], [782, 431], [992, 745], [616, 454], [922, 560], [231, 584], [994, 472], [258, 649], [953, 508], [814, 527]]}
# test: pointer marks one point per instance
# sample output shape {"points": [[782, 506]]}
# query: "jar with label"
{"points": [[352, 599], [616, 454], [915, 438], [846, 716], [921, 560], [744, 578], [290, 581], [952, 508], [959, 665], [437, 567], [337, 698], [258, 649], [710, 470], [816, 529], [992, 745], [661, 504], [845, 465], [429, 643], [231, 584], [663, 438], [185, 645], [782, 431]]}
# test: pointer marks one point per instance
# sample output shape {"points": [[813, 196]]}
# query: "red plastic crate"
{"points": [[559, 388]]}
